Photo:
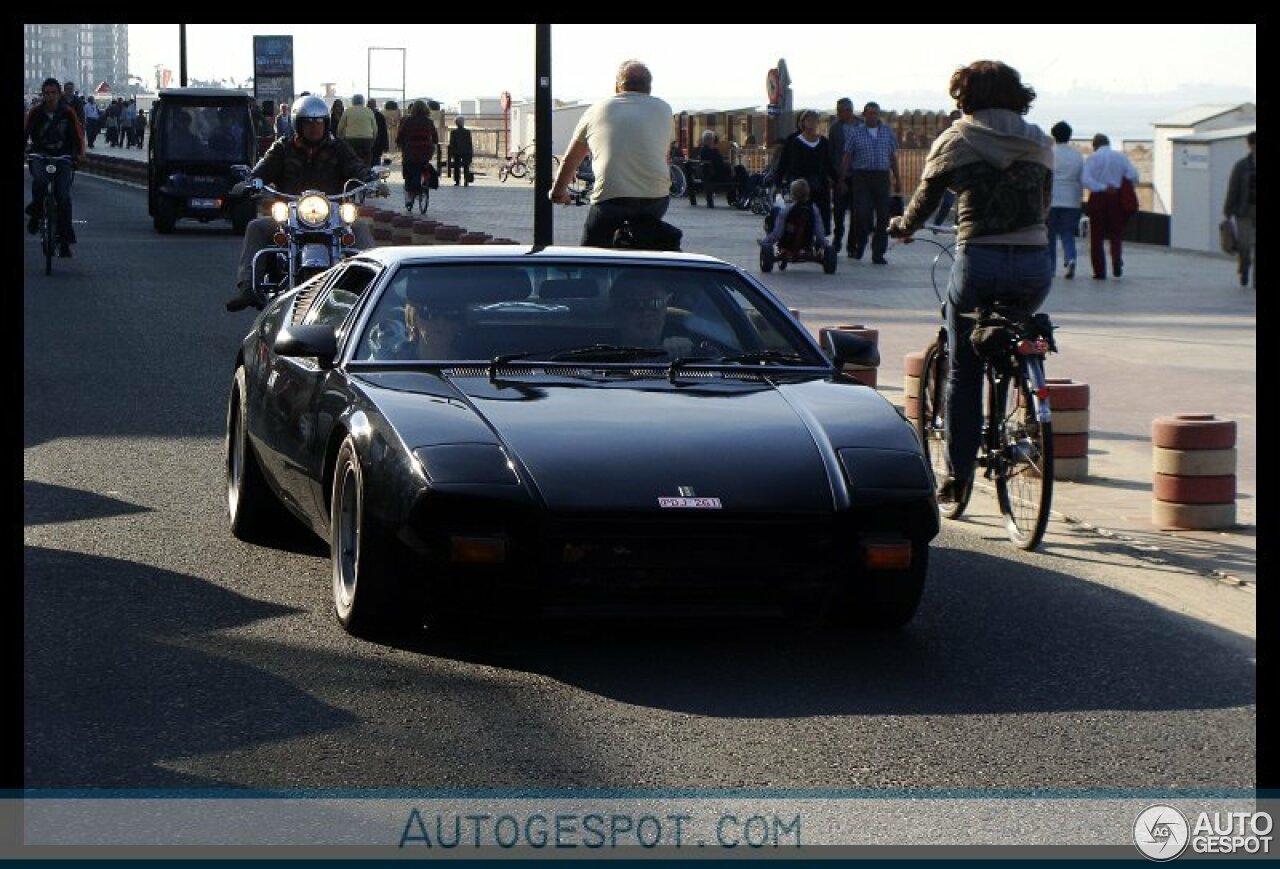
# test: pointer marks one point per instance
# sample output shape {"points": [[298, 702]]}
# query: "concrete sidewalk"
{"points": [[1176, 334]]}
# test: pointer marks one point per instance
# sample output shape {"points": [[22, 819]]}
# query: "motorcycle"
{"points": [[315, 230]]}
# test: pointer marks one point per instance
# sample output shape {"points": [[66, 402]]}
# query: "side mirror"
{"points": [[318, 342], [846, 348]]}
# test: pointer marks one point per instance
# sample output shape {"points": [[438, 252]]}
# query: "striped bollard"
{"points": [[913, 366], [1069, 401], [1194, 464], [474, 238], [382, 227]]}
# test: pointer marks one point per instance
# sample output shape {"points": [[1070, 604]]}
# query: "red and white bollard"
{"points": [[1069, 402], [1194, 464], [913, 365]]}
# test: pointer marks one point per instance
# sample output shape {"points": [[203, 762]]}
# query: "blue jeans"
{"points": [[1063, 224], [982, 273]]}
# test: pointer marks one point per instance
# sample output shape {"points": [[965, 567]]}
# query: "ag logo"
{"points": [[1161, 833]]}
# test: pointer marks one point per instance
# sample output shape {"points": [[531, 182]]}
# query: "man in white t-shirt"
{"points": [[627, 137]]}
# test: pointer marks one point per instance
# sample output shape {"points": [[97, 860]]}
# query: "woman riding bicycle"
{"points": [[417, 139], [53, 129], [1001, 167]]}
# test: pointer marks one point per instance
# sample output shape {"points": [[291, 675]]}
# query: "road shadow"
{"points": [[45, 503], [116, 687], [987, 639]]}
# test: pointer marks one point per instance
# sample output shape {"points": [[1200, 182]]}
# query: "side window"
{"points": [[334, 305]]}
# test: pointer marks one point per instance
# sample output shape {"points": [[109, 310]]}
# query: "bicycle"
{"points": [[50, 239], [1016, 446], [523, 164]]}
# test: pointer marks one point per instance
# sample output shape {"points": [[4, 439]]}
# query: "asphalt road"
{"points": [[160, 652]]}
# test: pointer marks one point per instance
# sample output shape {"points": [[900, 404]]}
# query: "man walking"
{"points": [[1103, 173], [381, 142], [1068, 194], [841, 201], [870, 158], [1241, 204], [358, 128], [460, 152]]}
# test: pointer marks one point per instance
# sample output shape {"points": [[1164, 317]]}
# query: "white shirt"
{"points": [[1104, 169], [90, 110], [1068, 166], [628, 135]]}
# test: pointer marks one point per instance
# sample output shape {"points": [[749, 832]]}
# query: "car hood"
{"points": [[622, 445]]}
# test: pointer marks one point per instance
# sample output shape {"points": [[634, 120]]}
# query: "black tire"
{"points": [[48, 234], [766, 259], [366, 597], [423, 199], [1024, 472], [255, 513], [242, 212], [166, 216], [829, 260], [931, 425], [782, 265], [679, 184]]}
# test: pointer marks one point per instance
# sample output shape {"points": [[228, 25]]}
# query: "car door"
{"points": [[295, 383]]}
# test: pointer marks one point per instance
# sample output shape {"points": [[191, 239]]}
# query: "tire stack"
{"points": [[447, 234], [1069, 402], [382, 227], [913, 366], [1194, 464], [474, 238], [865, 373]]}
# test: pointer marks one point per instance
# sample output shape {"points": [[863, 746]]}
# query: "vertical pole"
{"points": [[543, 225], [182, 54]]}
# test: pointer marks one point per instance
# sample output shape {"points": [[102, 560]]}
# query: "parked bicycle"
{"points": [[50, 237], [523, 163], [1016, 449]]}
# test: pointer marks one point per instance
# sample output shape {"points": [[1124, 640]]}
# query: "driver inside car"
{"points": [[639, 302], [434, 330], [310, 159]]}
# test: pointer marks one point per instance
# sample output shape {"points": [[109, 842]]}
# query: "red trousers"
{"points": [[1106, 224]]}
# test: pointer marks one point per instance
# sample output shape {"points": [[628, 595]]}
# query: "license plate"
{"points": [[205, 203]]}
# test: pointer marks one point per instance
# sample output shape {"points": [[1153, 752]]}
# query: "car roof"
{"points": [[531, 254], [202, 93]]}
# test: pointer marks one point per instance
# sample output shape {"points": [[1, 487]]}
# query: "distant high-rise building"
{"points": [[87, 54]]}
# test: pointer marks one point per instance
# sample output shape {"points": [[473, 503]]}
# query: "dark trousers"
{"points": [[61, 193], [462, 169], [842, 203], [1106, 224], [605, 218], [870, 190]]}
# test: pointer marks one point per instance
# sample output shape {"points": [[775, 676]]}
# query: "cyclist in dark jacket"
{"points": [[311, 159], [53, 128], [417, 138]]}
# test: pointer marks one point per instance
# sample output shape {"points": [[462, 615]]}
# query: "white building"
{"points": [[564, 118], [1200, 172], [1196, 119]]}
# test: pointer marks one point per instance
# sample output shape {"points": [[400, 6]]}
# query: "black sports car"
{"points": [[516, 430]]}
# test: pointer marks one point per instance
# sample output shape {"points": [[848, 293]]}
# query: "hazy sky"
{"points": [[1162, 67]]}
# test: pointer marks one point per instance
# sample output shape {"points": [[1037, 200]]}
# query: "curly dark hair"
{"points": [[990, 84]]}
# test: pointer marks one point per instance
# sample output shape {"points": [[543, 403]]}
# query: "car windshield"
{"points": [[579, 313], [206, 132]]}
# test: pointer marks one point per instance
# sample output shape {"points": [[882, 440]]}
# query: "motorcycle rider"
{"points": [[310, 159], [53, 128]]}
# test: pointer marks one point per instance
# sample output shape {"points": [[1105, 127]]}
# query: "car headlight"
{"points": [[467, 463], [313, 210], [348, 212], [280, 212]]}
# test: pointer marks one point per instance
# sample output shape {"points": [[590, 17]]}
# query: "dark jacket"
{"points": [[1241, 187], [292, 166], [380, 141], [54, 136], [417, 138], [813, 164], [460, 143]]}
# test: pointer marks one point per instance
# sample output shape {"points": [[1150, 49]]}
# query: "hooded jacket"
{"points": [[1001, 168]]}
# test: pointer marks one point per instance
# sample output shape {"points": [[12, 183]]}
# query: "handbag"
{"points": [[1128, 197], [1227, 236]]}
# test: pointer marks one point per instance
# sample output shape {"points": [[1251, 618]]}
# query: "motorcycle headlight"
{"points": [[280, 212], [348, 212], [313, 210]]}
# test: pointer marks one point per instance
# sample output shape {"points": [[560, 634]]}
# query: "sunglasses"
{"points": [[653, 303]]}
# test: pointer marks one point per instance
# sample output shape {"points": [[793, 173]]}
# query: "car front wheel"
{"points": [[254, 511]]}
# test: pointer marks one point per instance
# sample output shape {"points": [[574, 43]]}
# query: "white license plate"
{"points": [[204, 203]]}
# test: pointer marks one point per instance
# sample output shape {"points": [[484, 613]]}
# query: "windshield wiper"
{"points": [[760, 356], [593, 352]]}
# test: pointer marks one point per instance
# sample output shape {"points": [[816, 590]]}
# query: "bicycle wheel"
{"points": [[679, 184], [520, 166], [1024, 464], [48, 233], [423, 199], [931, 424]]}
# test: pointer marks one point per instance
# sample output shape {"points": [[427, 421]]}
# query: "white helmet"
{"points": [[309, 108]]}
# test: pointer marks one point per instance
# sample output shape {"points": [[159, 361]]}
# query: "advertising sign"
{"points": [[273, 68]]}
